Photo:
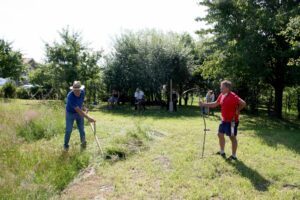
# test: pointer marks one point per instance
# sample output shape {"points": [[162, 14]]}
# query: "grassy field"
{"points": [[154, 155]]}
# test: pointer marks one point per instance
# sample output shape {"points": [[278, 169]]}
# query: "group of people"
{"points": [[230, 103], [139, 99]]}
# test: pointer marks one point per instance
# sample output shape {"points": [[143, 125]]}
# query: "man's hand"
{"points": [[85, 109], [200, 103], [241, 106]]}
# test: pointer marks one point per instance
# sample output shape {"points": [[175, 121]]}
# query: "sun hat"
{"points": [[77, 86]]}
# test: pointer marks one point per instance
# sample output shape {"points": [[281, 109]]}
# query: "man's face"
{"points": [[224, 89], [77, 93]]}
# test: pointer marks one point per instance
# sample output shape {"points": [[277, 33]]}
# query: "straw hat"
{"points": [[77, 86]]}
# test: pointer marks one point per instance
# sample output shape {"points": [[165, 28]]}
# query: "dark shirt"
{"points": [[73, 101]]}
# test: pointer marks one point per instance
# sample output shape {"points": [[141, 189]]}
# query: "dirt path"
{"points": [[88, 185], [91, 184]]}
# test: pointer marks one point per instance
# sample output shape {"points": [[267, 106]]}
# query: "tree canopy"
{"points": [[11, 65], [149, 59], [254, 43]]}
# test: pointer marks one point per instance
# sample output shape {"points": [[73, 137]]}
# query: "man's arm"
{"points": [[242, 104], [83, 114], [209, 105]]}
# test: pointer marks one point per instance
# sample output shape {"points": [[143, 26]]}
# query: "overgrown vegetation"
{"points": [[43, 124], [9, 90], [31, 160]]}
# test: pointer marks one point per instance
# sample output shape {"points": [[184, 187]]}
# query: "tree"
{"points": [[71, 60], [11, 65], [252, 38], [148, 59]]}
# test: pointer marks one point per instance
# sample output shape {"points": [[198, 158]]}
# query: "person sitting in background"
{"points": [[113, 100], [139, 98]]}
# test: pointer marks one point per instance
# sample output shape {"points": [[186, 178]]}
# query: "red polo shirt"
{"points": [[229, 104]]}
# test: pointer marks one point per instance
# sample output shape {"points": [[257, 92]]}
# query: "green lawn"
{"points": [[154, 155]]}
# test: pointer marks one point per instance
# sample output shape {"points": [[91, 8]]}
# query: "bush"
{"points": [[9, 90], [22, 93]]}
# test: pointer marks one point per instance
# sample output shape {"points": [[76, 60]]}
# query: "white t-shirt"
{"points": [[139, 95], [213, 97]]}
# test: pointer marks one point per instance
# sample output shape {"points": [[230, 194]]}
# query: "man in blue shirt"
{"points": [[74, 112]]}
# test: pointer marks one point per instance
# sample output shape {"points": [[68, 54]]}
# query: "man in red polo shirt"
{"points": [[231, 105]]}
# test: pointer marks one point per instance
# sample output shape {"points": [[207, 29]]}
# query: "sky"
{"points": [[32, 23]]}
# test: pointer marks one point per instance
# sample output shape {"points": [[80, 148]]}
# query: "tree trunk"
{"points": [[278, 100], [298, 104], [254, 100], [186, 98], [278, 85], [270, 103], [180, 100], [180, 94]]}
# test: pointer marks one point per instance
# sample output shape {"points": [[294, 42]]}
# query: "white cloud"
{"points": [[28, 23]]}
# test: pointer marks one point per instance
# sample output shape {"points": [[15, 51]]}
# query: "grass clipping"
{"points": [[124, 145]]}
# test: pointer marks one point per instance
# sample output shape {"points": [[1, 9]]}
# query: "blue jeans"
{"points": [[70, 118]]}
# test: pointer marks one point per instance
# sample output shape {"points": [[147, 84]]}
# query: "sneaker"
{"points": [[83, 145], [66, 149], [221, 154], [232, 158]]}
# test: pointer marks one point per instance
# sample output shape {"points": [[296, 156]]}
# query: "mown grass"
{"points": [[153, 155], [172, 168]]}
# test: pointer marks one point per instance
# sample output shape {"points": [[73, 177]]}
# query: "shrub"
{"points": [[22, 93], [9, 90]]}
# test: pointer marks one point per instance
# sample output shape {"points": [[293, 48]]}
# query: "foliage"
{"points": [[68, 60], [11, 65], [23, 93], [9, 90], [254, 43], [149, 59]]}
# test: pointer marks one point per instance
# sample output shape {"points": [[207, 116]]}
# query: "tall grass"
{"points": [[41, 124], [31, 161]]}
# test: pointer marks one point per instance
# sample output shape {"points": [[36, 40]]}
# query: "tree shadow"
{"points": [[257, 180], [275, 132]]}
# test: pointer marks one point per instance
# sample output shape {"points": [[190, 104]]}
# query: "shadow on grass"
{"points": [[156, 112], [257, 180], [275, 132]]}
